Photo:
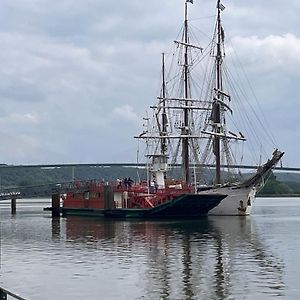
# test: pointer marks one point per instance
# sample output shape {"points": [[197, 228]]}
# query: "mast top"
{"points": [[220, 6]]}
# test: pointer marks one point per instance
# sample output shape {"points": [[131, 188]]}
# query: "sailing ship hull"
{"points": [[238, 202], [183, 207], [99, 200]]}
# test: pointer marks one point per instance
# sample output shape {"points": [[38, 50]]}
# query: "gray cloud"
{"points": [[76, 76]]}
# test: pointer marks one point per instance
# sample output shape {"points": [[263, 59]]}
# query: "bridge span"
{"points": [[140, 165]]}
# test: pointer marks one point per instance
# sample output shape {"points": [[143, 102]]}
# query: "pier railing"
{"points": [[43, 190], [4, 293]]}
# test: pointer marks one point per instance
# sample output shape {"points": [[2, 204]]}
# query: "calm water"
{"points": [[214, 258]]}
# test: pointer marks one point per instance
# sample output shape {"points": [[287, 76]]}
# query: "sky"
{"points": [[76, 77]]}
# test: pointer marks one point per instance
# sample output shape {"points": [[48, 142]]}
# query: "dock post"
{"points": [[55, 205], [13, 206]]}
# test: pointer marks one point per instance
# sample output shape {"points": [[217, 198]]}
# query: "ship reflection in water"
{"points": [[213, 258]]}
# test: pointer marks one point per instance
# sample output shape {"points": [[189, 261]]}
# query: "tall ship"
{"points": [[190, 139], [191, 123]]}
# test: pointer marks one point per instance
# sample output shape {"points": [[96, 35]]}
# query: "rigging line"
{"points": [[228, 153], [202, 18], [244, 126], [203, 61], [211, 159], [194, 151], [207, 79], [253, 92], [233, 88], [250, 144], [173, 65], [235, 95], [245, 115], [203, 33], [176, 152], [272, 137], [263, 127]]}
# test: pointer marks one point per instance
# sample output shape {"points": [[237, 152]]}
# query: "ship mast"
{"points": [[216, 113], [185, 127], [164, 114]]}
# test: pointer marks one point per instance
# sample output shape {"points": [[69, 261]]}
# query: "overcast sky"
{"points": [[76, 76]]}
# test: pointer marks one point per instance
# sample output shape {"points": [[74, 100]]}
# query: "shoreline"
{"points": [[278, 196]]}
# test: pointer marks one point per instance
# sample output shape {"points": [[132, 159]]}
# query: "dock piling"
{"points": [[13, 207], [55, 205]]}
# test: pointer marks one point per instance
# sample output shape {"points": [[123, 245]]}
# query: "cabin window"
{"points": [[86, 196]]}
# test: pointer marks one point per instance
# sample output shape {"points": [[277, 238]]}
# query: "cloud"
{"points": [[75, 74], [272, 52], [23, 119], [125, 113], [17, 147], [272, 63]]}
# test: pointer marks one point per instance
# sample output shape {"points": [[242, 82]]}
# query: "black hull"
{"points": [[183, 207]]}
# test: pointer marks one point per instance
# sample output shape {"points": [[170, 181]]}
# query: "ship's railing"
{"points": [[4, 293]]}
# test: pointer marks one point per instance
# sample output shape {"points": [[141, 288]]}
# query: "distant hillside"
{"points": [[288, 177], [38, 176], [280, 183]]}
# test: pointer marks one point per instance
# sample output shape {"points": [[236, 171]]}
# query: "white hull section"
{"points": [[239, 201]]}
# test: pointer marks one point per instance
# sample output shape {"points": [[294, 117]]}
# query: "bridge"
{"points": [[139, 165]]}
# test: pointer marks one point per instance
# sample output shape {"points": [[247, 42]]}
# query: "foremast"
{"points": [[183, 103]]}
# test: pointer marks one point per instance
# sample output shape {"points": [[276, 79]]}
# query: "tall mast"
{"points": [[185, 127], [164, 115], [216, 105]]}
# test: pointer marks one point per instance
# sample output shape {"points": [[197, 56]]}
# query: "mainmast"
{"points": [[185, 128], [216, 115]]}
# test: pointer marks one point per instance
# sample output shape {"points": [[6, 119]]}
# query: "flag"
{"points": [[192, 1], [221, 6]]}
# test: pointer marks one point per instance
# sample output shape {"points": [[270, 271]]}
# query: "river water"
{"points": [[256, 257]]}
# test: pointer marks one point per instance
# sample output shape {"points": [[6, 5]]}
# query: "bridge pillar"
{"points": [[55, 205], [13, 206]]}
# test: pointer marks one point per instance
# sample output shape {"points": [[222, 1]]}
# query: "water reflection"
{"points": [[55, 225], [212, 258]]}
